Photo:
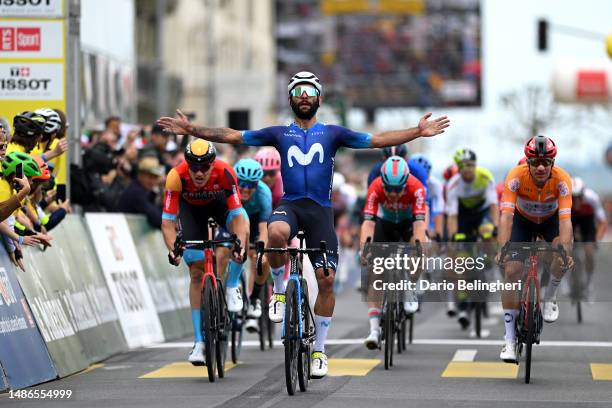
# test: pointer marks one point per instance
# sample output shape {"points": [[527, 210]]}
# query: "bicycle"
{"points": [[529, 322], [298, 330], [394, 318], [266, 327], [577, 277], [215, 316]]}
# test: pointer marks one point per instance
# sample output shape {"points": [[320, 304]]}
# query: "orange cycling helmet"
{"points": [[540, 147], [45, 174]]}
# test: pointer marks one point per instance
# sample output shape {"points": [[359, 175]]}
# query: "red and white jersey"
{"points": [[588, 205]]}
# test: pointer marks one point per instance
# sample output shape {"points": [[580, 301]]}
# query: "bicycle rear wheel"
{"points": [[304, 357], [223, 328], [210, 336], [237, 324], [291, 336], [531, 314], [478, 306], [389, 334], [401, 325]]}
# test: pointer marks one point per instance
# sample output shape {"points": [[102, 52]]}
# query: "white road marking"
{"points": [[484, 333], [427, 342], [464, 355]]}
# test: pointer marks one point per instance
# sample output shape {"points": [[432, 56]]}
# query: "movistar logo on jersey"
{"points": [[294, 152]]}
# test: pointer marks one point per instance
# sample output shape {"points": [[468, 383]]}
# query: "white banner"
{"points": [[125, 278], [31, 8], [27, 81], [31, 39]]}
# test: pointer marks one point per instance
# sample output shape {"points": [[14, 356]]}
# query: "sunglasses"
{"points": [[196, 167], [247, 185], [300, 89], [393, 189], [269, 173], [540, 162]]}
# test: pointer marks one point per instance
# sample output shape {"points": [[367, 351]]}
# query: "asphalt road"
{"points": [[444, 367]]}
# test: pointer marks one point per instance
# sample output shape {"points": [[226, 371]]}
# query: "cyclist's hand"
{"points": [[434, 127], [238, 253], [174, 259], [179, 125]]}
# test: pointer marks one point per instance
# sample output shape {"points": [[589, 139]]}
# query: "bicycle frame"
{"points": [[532, 275]]}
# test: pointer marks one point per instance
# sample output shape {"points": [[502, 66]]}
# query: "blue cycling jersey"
{"points": [[260, 203], [415, 169], [307, 156]]}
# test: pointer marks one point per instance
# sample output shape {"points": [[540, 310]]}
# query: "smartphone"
{"points": [[19, 170], [61, 192]]}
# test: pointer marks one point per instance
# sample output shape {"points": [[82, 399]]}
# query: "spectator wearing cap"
{"points": [[157, 146], [140, 196]]}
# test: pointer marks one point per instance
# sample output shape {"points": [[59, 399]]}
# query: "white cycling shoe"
{"points": [[234, 299], [551, 311], [372, 342], [196, 357], [508, 353], [276, 312], [318, 365], [251, 326], [411, 304], [254, 311]]}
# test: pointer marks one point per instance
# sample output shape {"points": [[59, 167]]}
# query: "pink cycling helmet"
{"points": [[268, 158]]}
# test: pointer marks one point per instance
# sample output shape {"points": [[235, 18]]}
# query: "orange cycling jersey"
{"points": [[537, 203], [221, 186]]}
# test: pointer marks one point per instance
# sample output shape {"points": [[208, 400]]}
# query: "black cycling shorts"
{"points": [[524, 230], [254, 225], [193, 219], [386, 231], [316, 221], [468, 222], [585, 225]]}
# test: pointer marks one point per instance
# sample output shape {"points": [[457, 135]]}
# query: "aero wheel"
{"points": [[304, 357], [209, 316], [401, 318], [389, 334], [291, 336], [237, 324], [411, 329], [222, 329], [531, 315]]}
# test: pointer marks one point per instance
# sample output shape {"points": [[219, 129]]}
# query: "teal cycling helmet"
{"points": [[394, 171], [421, 160], [248, 170]]}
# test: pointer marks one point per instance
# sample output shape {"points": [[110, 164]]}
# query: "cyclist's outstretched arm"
{"points": [[425, 128], [180, 125], [169, 233], [505, 227]]}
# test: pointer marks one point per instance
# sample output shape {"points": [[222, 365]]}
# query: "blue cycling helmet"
{"points": [[248, 170], [394, 171], [421, 160]]}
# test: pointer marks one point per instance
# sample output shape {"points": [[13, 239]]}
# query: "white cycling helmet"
{"points": [[577, 186], [53, 123], [305, 77]]}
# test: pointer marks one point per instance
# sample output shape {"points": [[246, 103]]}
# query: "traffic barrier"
{"points": [[169, 285], [125, 278], [24, 359]]}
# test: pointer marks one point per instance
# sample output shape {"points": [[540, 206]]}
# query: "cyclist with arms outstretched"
{"points": [[307, 149]]}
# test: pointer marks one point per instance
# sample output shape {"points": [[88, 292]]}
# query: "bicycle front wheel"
{"points": [[209, 316], [389, 334], [531, 314], [291, 335], [304, 356], [222, 331]]}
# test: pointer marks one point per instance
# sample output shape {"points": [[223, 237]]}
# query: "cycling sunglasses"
{"points": [[535, 162], [248, 185], [269, 173], [196, 167], [300, 89], [393, 189]]}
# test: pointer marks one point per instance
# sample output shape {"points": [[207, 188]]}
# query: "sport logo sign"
{"points": [[20, 39]]}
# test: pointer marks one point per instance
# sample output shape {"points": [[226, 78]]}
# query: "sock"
{"points": [[509, 318], [278, 274], [196, 319], [374, 317], [233, 278], [551, 289], [256, 294], [322, 326]]}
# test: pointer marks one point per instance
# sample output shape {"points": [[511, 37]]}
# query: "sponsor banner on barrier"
{"points": [[32, 8], [31, 81], [23, 353], [169, 284], [31, 39], [125, 278]]}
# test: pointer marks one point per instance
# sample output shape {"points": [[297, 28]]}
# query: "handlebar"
{"points": [[180, 245], [534, 249], [293, 251]]}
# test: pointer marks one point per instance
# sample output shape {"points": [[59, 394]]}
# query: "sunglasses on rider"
{"points": [[393, 189], [300, 89], [247, 185], [269, 173], [196, 167], [535, 162]]}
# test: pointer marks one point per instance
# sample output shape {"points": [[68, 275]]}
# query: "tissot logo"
{"points": [[20, 80], [294, 152]]}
